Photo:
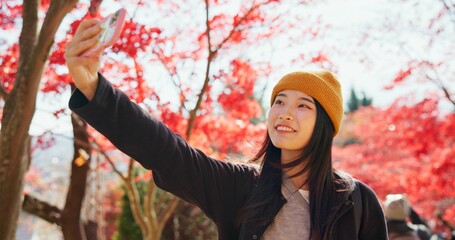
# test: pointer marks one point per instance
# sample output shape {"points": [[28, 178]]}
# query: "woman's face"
{"points": [[291, 121]]}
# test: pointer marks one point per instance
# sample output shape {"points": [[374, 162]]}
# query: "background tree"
{"points": [[424, 66], [390, 145], [68, 217], [19, 90], [355, 102], [220, 31], [422, 48]]}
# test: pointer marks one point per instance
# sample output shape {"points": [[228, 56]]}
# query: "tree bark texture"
{"points": [[72, 227], [20, 107]]}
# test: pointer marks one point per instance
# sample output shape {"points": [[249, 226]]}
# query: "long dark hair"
{"points": [[321, 180]]}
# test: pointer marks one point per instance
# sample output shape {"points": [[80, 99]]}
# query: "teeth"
{"points": [[283, 128]]}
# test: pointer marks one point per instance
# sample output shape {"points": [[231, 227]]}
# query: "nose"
{"points": [[285, 116], [286, 113]]}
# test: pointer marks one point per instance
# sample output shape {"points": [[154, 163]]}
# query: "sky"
{"points": [[349, 20], [389, 51]]}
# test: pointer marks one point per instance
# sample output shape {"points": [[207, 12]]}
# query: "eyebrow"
{"points": [[301, 98]]}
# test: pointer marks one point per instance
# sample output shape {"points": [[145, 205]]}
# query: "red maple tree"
{"points": [[405, 148]]}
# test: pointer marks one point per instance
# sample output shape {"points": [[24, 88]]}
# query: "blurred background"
{"points": [[206, 69]]}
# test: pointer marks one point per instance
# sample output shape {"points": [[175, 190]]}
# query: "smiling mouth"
{"points": [[285, 129]]}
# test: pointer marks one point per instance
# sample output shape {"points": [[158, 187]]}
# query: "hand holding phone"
{"points": [[111, 28]]}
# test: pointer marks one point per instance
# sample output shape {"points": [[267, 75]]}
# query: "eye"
{"points": [[304, 106], [278, 102]]}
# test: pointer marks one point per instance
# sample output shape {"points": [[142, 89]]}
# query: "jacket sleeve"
{"points": [[214, 186], [373, 224]]}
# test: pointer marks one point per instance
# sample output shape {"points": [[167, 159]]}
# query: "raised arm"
{"points": [[216, 187], [84, 69]]}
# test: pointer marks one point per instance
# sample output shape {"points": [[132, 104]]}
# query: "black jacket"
{"points": [[219, 188]]}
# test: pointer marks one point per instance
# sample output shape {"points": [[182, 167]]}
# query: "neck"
{"points": [[300, 180]]}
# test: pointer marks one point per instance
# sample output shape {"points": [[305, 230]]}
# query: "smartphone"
{"points": [[111, 28]]}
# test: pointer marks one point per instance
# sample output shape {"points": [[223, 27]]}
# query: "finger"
{"points": [[86, 24], [77, 49], [85, 60], [89, 33]]}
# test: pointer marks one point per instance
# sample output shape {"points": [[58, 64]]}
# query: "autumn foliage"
{"points": [[405, 148]]}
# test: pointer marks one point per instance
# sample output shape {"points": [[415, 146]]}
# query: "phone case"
{"points": [[111, 28]]}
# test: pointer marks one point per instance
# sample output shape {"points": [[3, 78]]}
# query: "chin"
{"points": [[279, 144]]}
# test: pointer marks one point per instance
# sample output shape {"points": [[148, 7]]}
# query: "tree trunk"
{"points": [[71, 214], [20, 107], [11, 183], [69, 218]]}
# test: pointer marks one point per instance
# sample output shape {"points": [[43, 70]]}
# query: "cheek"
{"points": [[270, 122], [307, 121], [270, 126], [270, 117]]}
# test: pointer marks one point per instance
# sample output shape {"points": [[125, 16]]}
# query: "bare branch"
{"points": [[150, 211], [43, 210], [133, 195], [172, 74], [439, 83], [235, 27], [450, 9], [447, 94], [210, 57], [109, 160], [161, 201], [448, 224], [167, 213], [207, 24]]}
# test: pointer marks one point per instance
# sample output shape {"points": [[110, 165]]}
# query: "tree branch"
{"points": [[439, 83], [450, 9], [109, 160], [167, 213], [171, 74], [210, 57], [235, 27], [34, 56], [135, 204], [436, 80], [446, 223], [149, 210], [43, 210]]}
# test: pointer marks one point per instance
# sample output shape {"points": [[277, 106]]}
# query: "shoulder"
{"points": [[373, 224], [345, 181], [368, 195], [366, 191], [372, 206]]}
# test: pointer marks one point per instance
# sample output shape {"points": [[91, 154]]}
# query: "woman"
{"points": [[295, 195]]}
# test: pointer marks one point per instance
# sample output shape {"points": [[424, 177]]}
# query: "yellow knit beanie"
{"points": [[321, 85]]}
